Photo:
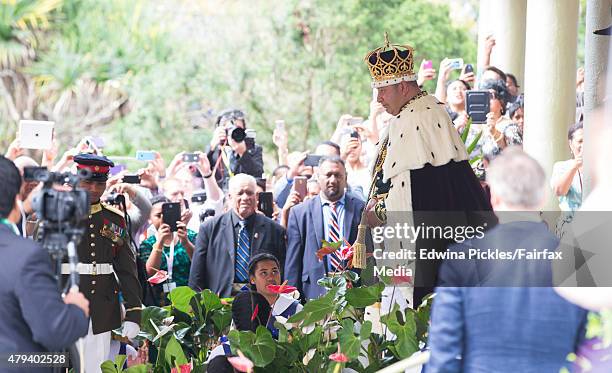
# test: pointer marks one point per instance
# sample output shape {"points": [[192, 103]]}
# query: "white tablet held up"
{"points": [[35, 134]]}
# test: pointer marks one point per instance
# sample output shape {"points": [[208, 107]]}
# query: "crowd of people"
{"points": [[227, 240]]}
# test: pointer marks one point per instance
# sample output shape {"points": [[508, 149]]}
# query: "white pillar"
{"points": [[485, 26], [506, 20], [598, 17], [550, 84]]}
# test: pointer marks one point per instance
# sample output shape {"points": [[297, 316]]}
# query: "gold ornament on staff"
{"points": [[359, 246]]}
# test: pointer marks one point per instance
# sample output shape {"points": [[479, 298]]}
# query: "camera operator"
{"points": [[34, 317], [243, 155], [105, 257]]}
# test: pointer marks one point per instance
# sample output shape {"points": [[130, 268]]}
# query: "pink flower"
{"points": [[339, 357], [281, 289], [398, 280], [158, 278], [185, 368], [241, 363]]}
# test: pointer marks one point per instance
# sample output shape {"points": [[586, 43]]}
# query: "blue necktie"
{"points": [[242, 254]]}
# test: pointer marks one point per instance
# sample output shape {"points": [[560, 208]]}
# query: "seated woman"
{"points": [[156, 251], [261, 305]]}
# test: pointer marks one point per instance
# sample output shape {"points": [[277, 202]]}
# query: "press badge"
{"points": [[169, 286]]}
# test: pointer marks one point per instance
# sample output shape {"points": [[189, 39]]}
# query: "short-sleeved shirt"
{"points": [[182, 262], [573, 199]]}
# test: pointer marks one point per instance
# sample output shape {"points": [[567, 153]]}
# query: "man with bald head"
{"points": [[226, 243]]}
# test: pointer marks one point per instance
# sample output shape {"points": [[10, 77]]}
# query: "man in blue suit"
{"points": [[332, 216], [503, 315], [34, 317]]}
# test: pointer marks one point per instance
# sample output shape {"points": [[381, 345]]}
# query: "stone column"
{"points": [[550, 84], [506, 21], [598, 16]]}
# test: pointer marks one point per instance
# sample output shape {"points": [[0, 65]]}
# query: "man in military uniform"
{"points": [[105, 257], [422, 165]]}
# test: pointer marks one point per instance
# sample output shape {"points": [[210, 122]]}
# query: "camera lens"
{"points": [[238, 134]]}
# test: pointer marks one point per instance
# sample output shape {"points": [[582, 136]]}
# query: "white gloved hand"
{"points": [[130, 329]]}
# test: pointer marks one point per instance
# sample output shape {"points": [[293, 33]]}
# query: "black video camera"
{"points": [[59, 206]]}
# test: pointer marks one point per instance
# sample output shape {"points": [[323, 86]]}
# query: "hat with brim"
{"points": [[98, 165]]}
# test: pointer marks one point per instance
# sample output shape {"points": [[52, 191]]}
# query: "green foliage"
{"points": [[117, 366], [337, 318], [156, 78], [259, 347], [187, 328], [364, 296]]}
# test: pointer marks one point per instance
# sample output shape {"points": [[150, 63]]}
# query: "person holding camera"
{"points": [[232, 151], [105, 257], [156, 250], [34, 316]]}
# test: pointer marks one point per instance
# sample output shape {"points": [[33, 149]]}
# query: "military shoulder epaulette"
{"points": [[113, 209]]}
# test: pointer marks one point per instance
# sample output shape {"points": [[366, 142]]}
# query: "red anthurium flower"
{"points": [[241, 363], [185, 368], [339, 357], [158, 278], [398, 280], [281, 289], [255, 312]]}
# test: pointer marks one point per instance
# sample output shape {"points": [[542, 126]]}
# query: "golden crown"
{"points": [[391, 64]]}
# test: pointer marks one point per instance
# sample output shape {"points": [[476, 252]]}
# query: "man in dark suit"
{"points": [[34, 317], [503, 315], [313, 221], [226, 243]]}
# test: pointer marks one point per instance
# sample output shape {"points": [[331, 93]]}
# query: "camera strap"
{"points": [[226, 161], [11, 225], [170, 258]]}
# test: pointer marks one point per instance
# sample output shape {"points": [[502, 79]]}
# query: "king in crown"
{"points": [[391, 64], [422, 165]]}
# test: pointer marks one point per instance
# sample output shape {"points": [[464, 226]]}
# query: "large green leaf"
{"points": [[140, 368], [210, 301], [309, 341], [349, 343], [260, 347], [173, 352], [474, 142], [332, 282], [366, 330], [222, 318], [364, 296], [181, 297], [109, 367], [405, 329], [152, 315], [316, 310], [466, 130]]}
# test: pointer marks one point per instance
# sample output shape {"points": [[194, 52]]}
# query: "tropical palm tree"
{"points": [[20, 23]]}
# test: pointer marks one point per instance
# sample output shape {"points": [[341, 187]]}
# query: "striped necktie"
{"points": [[242, 254], [335, 234]]}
